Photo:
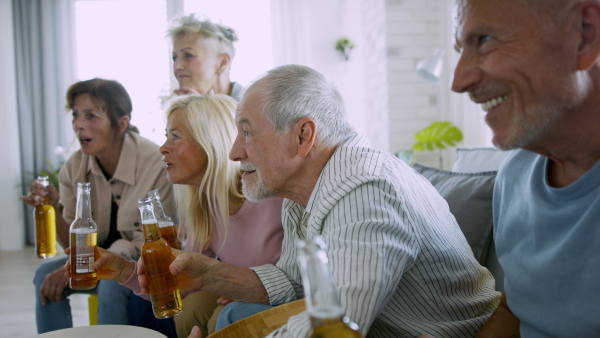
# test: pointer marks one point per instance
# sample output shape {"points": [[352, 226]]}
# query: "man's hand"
{"points": [[189, 267], [108, 266], [53, 286], [224, 300], [502, 323]]}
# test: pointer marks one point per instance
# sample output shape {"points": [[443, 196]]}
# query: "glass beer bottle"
{"points": [[84, 236], [45, 225], [165, 223], [322, 303], [157, 256]]}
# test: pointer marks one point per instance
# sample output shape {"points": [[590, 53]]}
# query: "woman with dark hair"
{"points": [[122, 167]]}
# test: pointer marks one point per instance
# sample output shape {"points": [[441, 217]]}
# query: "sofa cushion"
{"points": [[475, 160], [469, 197]]}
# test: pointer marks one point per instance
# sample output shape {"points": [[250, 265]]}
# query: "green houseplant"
{"points": [[437, 136], [344, 45]]}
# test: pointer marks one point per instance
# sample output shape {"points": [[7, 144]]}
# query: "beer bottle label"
{"points": [[84, 262]]}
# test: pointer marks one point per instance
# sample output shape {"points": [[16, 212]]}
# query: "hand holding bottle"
{"points": [[37, 194], [108, 266], [189, 267]]}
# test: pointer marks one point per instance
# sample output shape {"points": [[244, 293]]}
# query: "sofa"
{"points": [[468, 189]]}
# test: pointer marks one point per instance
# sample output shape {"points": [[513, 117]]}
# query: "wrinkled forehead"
{"points": [[539, 15], [475, 15]]}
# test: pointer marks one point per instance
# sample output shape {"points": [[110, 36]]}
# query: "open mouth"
{"points": [[85, 140]]}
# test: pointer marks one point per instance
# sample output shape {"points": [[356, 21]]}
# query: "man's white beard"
{"points": [[257, 191]]}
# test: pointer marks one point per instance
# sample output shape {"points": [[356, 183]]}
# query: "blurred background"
{"points": [[46, 45]]}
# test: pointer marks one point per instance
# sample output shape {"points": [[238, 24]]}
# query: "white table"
{"points": [[103, 331]]}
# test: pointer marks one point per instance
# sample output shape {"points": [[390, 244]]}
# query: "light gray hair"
{"points": [[189, 24], [292, 92]]}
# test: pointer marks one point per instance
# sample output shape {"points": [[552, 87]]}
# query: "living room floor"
{"points": [[17, 294]]}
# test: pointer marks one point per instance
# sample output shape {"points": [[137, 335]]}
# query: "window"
{"points": [[117, 40], [126, 41]]}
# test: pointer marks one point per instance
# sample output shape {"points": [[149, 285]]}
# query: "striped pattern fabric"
{"points": [[400, 262]]}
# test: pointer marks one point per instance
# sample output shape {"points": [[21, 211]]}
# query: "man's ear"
{"points": [[224, 60], [306, 130], [589, 48]]}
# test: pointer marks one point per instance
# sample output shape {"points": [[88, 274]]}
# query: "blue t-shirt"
{"points": [[548, 243]]}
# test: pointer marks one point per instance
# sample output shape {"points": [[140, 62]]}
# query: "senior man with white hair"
{"points": [[400, 262]]}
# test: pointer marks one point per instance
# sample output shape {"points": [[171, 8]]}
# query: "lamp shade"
{"points": [[430, 67]]}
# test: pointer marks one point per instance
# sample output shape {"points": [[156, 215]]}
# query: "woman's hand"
{"points": [[108, 266], [195, 333], [53, 286], [37, 193], [189, 267]]}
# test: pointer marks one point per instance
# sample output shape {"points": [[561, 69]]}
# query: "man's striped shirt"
{"points": [[400, 262]]}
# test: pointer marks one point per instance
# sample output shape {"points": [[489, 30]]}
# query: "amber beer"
{"points": [[83, 274], [334, 327], [84, 234], [165, 223], [326, 314], [45, 225], [167, 231], [157, 256]]}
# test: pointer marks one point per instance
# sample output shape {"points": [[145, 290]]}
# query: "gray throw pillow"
{"points": [[469, 197]]}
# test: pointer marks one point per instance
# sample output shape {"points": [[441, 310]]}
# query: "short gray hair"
{"points": [[292, 92], [189, 24]]}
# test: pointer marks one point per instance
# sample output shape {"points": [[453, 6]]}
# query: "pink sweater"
{"points": [[254, 239]]}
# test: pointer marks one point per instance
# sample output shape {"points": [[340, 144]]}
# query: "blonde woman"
{"points": [[219, 222]]}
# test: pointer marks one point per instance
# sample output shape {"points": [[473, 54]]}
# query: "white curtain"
{"points": [[44, 58], [291, 32]]}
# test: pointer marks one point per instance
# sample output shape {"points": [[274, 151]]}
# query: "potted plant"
{"points": [[344, 45], [436, 136]]}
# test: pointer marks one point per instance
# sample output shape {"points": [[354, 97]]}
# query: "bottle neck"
{"points": [[322, 301], [151, 232], [159, 211], [44, 182], [84, 206]]}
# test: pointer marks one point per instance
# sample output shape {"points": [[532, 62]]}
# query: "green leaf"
{"points": [[438, 135]]}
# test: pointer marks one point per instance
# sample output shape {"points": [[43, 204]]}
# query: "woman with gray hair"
{"points": [[202, 56]]}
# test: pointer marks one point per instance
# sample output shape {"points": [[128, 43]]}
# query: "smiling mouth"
{"points": [[489, 104]]}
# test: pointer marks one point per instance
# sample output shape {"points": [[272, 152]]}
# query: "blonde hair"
{"points": [[189, 24], [211, 122]]}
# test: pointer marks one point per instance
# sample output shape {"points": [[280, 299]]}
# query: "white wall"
{"points": [[306, 33], [413, 33], [415, 28], [11, 209]]}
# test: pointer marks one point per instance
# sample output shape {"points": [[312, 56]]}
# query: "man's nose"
{"points": [[466, 75], [237, 152]]}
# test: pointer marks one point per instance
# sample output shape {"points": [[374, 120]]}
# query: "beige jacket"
{"points": [[140, 170]]}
